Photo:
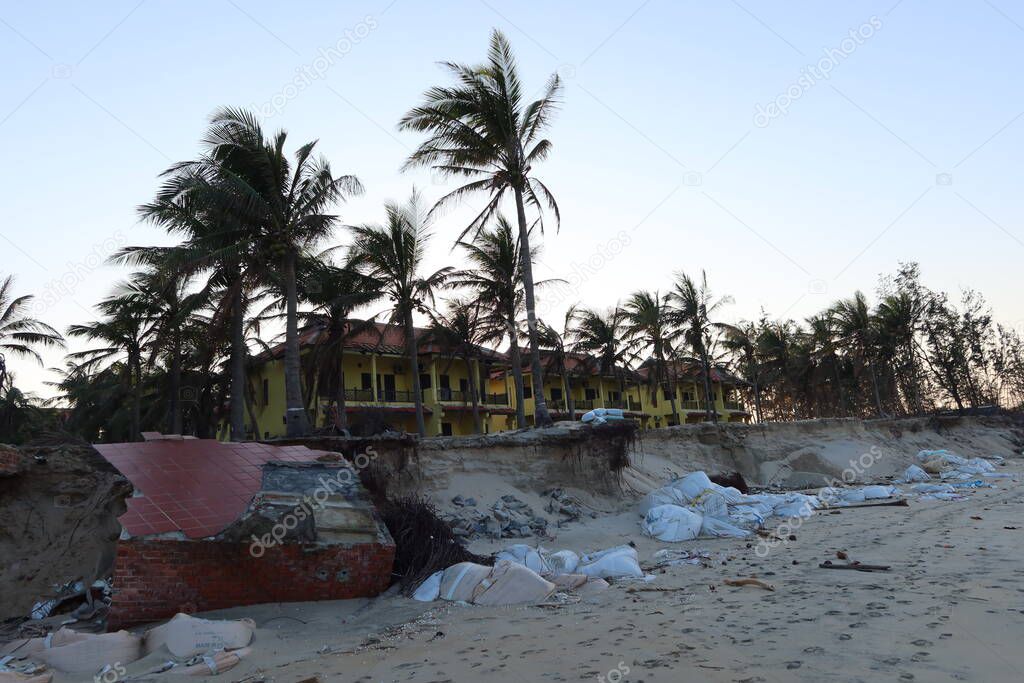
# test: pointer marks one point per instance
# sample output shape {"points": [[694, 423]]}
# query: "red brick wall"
{"points": [[155, 579]]}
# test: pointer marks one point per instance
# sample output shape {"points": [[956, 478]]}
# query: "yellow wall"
{"points": [[270, 412]]}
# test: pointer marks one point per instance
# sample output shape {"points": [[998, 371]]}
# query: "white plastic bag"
{"points": [[666, 495], [618, 562], [878, 492], [672, 523]]}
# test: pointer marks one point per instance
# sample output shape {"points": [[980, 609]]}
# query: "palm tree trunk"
{"points": [[136, 364], [477, 425], [570, 403], [341, 421], [250, 405], [874, 384], [414, 365], [237, 420], [174, 423], [296, 420], [541, 416], [705, 365], [517, 379]]}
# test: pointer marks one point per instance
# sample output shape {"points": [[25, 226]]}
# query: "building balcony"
{"points": [[735, 405], [383, 396]]}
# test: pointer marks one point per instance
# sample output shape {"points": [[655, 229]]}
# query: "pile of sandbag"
{"points": [[506, 583], [696, 507], [522, 574], [948, 465], [838, 497], [206, 647]]}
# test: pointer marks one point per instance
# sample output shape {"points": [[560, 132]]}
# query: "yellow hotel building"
{"points": [[378, 389]]}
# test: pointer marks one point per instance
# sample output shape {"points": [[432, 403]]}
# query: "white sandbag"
{"points": [[879, 492], [92, 654], [460, 581], [666, 495], [618, 562], [948, 457], [520, 553], [592, 587], [672, 523], [26, 646], [186, 635], [510, 583], [795, 508], [732, 495], [719, 528], [430, 589], [692, 485], [563, 562], [933, 488], [568, 582], [711, 503], [212, 664], [749, 515], [914, 473]]}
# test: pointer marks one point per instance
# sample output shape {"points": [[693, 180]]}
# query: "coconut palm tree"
{"points": [[333, 294], [122, 334], [484, 130], [741, 341], [899, 317], [648, 326], [694, 306], [857, 332], [602, 337], [460, 333], [285, 204], [495, 280], [393, 254], [20, 334], [558, 344]]}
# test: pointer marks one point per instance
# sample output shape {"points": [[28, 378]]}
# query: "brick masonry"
{"points": [[155, 579]]}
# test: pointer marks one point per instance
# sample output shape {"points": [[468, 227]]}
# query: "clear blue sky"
{"points": [[909, 149]]}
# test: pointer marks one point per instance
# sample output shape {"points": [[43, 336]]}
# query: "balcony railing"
{"points": [[692, 405], [734, 405], [383, 396], [496, 399], [634, 405]]}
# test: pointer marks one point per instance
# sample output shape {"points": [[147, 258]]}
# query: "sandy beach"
{"points": [[949, 609]]}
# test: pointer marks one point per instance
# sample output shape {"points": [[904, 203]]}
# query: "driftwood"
{"points": [[749, 582], [855, 566], [901, 503]]}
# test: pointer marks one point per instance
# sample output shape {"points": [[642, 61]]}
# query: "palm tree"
{"points": [[602, 336], [284, 203], [392, 254], [741, 341], [495, 280], [122, 333], [694, 307], [460, 333], [559, 345], [648, 326], [20, 334], [482, 129], [857, 331], [899, 317], [334, 293]]}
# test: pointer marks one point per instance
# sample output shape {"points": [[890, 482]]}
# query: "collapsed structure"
{"points": [[214, 525]]}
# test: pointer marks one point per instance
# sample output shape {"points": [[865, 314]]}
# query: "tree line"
{"points": [[174, 344]]}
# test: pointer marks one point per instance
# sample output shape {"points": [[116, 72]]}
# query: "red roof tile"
{"points": [[197, 486]]}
